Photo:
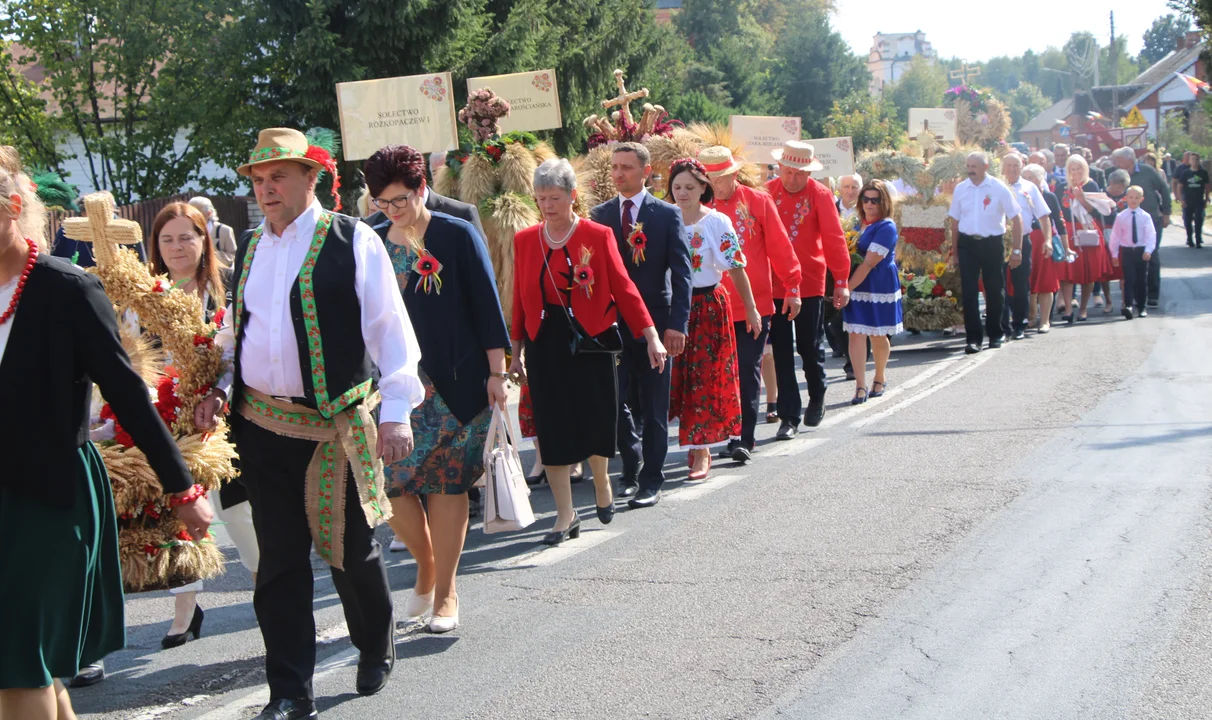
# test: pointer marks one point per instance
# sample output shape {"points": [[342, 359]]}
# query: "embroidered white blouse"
{"points": [[714, 249]]}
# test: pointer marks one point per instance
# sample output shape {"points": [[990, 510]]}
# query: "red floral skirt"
{"points": [[706, 393], [1044, 277], [1093, 264], [1117, 271]]}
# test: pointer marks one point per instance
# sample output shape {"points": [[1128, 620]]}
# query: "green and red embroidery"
{"points": [[301, 419], [365, 463], [328, 477], [274, 153]]}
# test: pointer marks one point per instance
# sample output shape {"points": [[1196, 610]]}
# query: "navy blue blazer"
{"points": [[663, 278], [457, 326]]}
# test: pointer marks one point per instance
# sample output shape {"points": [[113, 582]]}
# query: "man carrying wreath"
{"points": [[649, 233], [315, 312]]}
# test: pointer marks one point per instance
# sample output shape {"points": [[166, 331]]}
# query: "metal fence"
{"points": [[231, 211]]}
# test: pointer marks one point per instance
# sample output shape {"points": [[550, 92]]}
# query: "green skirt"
{"points": [[60, 581]]}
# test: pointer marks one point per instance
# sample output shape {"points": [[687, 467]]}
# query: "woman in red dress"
{"points": [[706, 392], [1084, 224], [1045, 272]]}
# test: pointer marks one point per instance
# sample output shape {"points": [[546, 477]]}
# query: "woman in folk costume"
{"points": [[62, 605], [320, 338], [1082, 220], [706, 395]]}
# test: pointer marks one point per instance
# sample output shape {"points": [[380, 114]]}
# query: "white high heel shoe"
{"points": [[418, 605], [439, 625]]}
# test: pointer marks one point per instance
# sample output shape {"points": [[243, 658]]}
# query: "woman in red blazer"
{"points": [[568, 269]]}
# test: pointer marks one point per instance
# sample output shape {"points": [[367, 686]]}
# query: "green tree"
{"points": [[696, 106], [24, 120], [811, 67], [922, 86], [731, 38], [870, 122], [1025, 102], [1162, 37], [1199, 10]]}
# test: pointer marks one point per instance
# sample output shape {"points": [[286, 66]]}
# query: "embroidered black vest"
{"points": [[327, 317]]}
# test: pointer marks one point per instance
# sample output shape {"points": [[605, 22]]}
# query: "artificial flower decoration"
{"points": [[428, 267], [582, 274], [638, 242]]}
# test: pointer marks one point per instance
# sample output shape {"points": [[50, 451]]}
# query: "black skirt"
{"points": [[575, 397]]}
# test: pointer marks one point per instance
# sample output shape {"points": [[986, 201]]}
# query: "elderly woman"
{"points": [[1045, 272], [449, 289], [874, 311], [1083, 224], [60, 580], [180, 247], [569, 286]]}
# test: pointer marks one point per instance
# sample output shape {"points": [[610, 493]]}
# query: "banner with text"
{"points": [[836, 154], [763, 135], [533, 97], [417, 110], [939, 122]]}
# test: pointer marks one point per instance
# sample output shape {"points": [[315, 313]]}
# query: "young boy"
{"points": [[1133, 241]]}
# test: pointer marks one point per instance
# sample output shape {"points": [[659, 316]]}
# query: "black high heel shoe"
{"points": [[537, 479], [195, 629], [605, 514], [572, 532]]}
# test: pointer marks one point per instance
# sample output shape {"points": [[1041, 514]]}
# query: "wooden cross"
{"points": [[966, 74], [624, 98], [99, 227]]}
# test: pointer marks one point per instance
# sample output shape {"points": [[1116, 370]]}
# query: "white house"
{"points": [[1163, 87], [890, 55]]}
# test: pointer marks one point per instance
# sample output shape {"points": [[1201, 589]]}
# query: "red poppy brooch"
{"points": [[638, 242], [427, 268], [582, 274]]}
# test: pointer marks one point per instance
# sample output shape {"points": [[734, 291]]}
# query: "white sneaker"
{"points": [[439, 625], [418, 605], [397, 546]]}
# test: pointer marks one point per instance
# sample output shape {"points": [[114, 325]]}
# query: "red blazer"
{"points": [[612, 287], [815, 229]]}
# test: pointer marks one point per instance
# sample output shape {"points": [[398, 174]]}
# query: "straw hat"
{"points": [[718, 161], [279, 144], [798, 155]]}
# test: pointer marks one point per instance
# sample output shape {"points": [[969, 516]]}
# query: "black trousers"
{"points": [[749, 366], [643, 402], [1135, 271], [1154, 281], [1014, 313], [809, 331], [273, 468], [1193, 222], [981, 259]]}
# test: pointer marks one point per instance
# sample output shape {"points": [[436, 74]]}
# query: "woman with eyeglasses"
{"points": [[450, 291], [874, 311]]}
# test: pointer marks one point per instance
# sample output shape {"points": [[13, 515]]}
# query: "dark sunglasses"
{"points": [[873, 200]]}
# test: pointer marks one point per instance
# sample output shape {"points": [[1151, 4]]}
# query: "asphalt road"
{"points": [[1019, 534]]}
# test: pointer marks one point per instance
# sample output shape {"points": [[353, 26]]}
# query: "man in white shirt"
{"points": [[1034, 210], [979, 208], [1133, 241], [316, 311], [848, 195]]}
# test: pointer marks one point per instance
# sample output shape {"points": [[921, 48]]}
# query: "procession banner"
{"points": [[533, 97], [836, 154], [940, 122], [763, 135], [416, 110]]}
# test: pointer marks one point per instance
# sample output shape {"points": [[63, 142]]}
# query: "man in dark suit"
{"points": [[661, 272]]}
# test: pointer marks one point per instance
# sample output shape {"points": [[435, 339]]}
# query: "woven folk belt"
{"points": [[348, 438]]}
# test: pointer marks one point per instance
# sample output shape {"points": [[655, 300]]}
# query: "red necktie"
{"points": [[627, 223]]}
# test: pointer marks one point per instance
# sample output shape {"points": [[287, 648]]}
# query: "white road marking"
{"points": [[794, 447], [542, 557], [259, 698], [972, 365], [701, 488]]}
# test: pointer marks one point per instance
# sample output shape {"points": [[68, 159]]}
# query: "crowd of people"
{"points": [[389, 334]]}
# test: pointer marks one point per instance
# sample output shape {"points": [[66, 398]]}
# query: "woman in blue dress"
{"points": [[874, 312]]}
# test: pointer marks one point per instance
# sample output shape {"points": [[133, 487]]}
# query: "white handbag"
{"points": [[507, 498], [1086, 238]]}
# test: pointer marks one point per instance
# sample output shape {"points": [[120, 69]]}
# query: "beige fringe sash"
{"points": [[349, 438]]}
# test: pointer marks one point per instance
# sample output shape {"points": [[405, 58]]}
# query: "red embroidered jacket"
{"points": [[596, 311], [765, 244], [816, 234]]}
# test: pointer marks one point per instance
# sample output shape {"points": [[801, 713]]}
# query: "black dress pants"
{"points": [[1135, 269], [749, 366], [273, 468], [643, 402], [1154, 282], [1014, 313], [809, 331], [1193, 222], [981, 259]]}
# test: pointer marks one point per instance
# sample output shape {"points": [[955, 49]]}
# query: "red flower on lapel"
{"points": [[638, 242], [582, 274], [428, 267]]}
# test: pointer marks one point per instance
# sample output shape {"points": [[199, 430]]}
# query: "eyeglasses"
{"points": [[871, 200], [398, 203]]}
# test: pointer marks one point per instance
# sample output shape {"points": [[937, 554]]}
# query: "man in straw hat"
{"points": [[315, 312], [767, 247], [807, 210]]}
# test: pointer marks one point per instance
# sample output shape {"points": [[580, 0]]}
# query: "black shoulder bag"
{"points": [[609, 341]]}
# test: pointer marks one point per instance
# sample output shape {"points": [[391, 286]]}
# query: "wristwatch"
{"points": [[502, 375], [1016, 251]]}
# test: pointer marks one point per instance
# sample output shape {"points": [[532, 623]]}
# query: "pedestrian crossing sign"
{"points": [[1135, 119], [1064, 131]]}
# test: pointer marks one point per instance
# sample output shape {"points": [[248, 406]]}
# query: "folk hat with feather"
{"points": [[316, 149]]}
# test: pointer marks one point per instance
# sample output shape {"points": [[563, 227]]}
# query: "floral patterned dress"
{"points": [[705, 396], [448, 457]]}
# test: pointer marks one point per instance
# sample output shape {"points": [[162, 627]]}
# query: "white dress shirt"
{"points": [[6, 296], [1121, 232], [1031, 203], [269, 358], [983, 210], [636, 201], [850, 212], [718, 249]]}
